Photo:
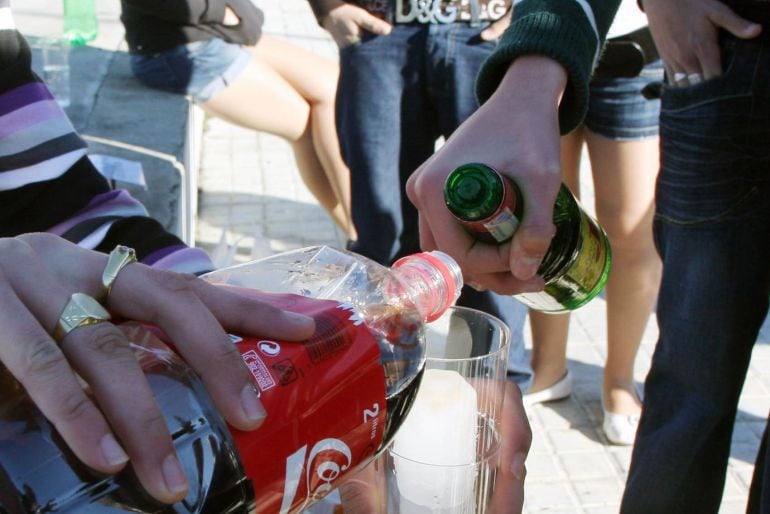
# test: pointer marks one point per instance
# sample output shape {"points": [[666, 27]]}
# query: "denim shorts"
{"points": [[200, 69], [617, 110]]}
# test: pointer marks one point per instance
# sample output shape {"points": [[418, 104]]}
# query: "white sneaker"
{"points": [[559, 390], [620, 428]]}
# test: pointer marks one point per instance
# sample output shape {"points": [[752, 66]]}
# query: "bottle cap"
{"points": [[451, 279], [473, 192]]}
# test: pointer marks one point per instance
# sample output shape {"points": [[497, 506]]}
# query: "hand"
{"points": [[497, 27], [516, 439], [230, 17], [345, 22], [516, 131], [365, 492], [686, 35], [39, 272]]}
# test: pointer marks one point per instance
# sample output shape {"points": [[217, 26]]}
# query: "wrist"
{"points": [[543, 77], [322, 8]]}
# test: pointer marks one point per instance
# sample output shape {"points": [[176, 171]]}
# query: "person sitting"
{"points": [[58, 218], [216, 53]]}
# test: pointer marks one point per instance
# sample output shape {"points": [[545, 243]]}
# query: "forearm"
{"points": [[569, 32], [322, 7]]}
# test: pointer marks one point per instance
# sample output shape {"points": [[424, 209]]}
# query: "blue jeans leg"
{"points": [[712, 228], [397, 95]]}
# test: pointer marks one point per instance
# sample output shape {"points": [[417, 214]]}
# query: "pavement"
{"points": [[252, 202]]}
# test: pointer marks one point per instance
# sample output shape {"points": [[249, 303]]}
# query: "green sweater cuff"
{"points": [[552, 36]]}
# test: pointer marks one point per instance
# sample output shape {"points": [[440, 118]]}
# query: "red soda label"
{"points": [[325, 402]]}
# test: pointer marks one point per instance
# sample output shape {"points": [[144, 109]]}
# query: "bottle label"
{"points": [[325, 403], [502, 226], [581, 279]]}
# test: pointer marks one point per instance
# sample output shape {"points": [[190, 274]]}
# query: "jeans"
{"points": [[712, 229], [397, 95], [618, 111], [201, 69]]}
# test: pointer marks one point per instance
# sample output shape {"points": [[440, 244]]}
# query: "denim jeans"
{"points": [[617, 109], [712, 229], [397, 95], [201, 69]]}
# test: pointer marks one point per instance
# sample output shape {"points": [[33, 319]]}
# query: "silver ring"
{"points": [[694, 78], [679, 77]]}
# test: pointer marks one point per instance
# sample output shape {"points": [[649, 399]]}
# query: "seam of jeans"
{"points": [[722, 216]]}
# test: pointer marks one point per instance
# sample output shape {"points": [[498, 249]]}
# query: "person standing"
{"points": [[620, 132], [406, 80], [712, 227]]}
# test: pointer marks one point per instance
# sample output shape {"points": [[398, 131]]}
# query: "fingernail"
{"points": [[252, 407], [112, 451], [299, 319], [176, 482], [517, 466], [527, 267]]}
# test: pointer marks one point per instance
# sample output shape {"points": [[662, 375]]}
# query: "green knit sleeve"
{"points": [[569, 31]]}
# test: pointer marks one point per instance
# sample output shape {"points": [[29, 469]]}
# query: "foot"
{"points": [[622, 408], [620, 429], [561, 389], [622, 399]]}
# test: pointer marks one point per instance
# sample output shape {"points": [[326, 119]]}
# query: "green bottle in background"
{"points": [[577, 263], [80, 25]]}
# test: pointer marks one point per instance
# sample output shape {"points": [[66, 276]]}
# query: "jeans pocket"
{"points": [[734, 82], [707, 140]]}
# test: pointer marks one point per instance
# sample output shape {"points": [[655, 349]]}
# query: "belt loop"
{"points": [[475, 14]]}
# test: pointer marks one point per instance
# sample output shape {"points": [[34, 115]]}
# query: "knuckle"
{"points": [[177, 283], [226, 354], [106, 339], [73, 406], [151, 421], [43, 360], [13, 249]]}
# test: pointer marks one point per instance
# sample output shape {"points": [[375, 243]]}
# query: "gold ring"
{"points": [[79, 311], [120, 257]]}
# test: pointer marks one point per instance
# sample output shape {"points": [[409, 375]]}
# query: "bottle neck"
{"points": [[475, 192], [433, 279]]}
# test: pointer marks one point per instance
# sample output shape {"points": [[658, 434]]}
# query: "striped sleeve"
{"points": [[48, 183], [569, 31]]}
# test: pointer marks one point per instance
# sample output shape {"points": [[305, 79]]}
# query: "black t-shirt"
{"points": [[153, 26]]}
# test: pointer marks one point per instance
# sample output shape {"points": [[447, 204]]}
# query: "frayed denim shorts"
{"points": [[200, 69], [617, 110]]}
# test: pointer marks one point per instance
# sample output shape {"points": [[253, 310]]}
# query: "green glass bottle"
{"points": [[577, 263], [80, 24]]}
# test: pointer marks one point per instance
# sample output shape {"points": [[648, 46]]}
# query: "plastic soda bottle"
{"points": [[334, 402], [80, 24], [577, 263]]}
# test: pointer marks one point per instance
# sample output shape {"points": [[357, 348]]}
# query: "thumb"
{"points": [[374, 24], [496, 29], [737, 26]]}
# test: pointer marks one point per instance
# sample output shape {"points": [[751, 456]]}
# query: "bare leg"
{"points": [[288, 91], [549, 332], [624, 175]]}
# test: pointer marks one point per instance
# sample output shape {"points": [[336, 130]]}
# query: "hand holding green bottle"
{"points": [[577, 263]]}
